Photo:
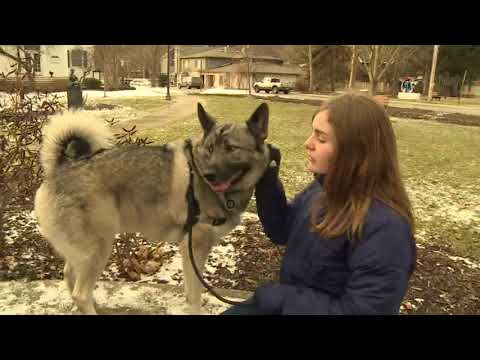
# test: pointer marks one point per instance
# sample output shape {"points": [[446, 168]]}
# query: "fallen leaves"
{"points": [[146, 260]]}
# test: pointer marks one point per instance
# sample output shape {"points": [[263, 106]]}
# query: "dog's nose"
{"points": [[210, 177]]}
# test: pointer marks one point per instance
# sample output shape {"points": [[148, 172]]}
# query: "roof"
{"points": [[186, 50], [213, 53], [258, 69], [228, 54]]}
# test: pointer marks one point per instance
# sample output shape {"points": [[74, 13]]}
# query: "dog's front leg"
{"points": [[203, 239]]}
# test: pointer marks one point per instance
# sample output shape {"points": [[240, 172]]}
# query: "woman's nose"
{"points": [[308, 143]]}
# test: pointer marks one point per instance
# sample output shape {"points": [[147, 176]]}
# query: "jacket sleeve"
{"points": [[380, 269], [274, 211]]}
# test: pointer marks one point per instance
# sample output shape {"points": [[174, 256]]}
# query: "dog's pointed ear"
{"points": [[258, 123], [206, 120]]}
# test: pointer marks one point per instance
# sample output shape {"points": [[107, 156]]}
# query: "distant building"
{"points": [[51, 61], [220, 66]]}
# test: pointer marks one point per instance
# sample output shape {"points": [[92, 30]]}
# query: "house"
{"points": [[235, 76], [176, 53], [221, 66], [50, 61]]}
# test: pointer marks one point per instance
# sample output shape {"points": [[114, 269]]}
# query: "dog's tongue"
{"points": [[220, 187]]}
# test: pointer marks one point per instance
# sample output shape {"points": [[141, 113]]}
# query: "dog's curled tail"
{"points": [[72, 136]]}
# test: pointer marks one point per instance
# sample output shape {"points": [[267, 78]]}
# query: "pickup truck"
{"points": [[190, 82], [271, 84]]}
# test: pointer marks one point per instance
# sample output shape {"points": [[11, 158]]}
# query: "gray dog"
{"points": [[93, 190]]}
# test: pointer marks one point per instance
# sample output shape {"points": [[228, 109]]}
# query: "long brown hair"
{"points": [[364, 168]]}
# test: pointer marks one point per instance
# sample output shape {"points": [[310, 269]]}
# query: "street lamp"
{"points": [[168, 74]]}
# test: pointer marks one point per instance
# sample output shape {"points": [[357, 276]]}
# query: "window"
{"points": [[172, 57], [79, 58], [85, 59], [275, 80]]}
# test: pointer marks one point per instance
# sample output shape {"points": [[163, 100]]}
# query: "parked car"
{"points": [[190, 82], [140, 82], [272, 84]]}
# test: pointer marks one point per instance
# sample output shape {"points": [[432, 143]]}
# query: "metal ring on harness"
{"points": [[193, 213]]}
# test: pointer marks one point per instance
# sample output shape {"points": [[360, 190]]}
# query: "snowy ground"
{"points": [[52, 298], [140, 91], [160, 291]]}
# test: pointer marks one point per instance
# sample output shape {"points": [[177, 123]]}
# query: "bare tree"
{"points": [[324, 61], [22, 67], [378, 59], [107, 57], [20, 62], [247, 58]]}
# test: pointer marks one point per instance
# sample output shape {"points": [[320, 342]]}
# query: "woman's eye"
{"points": [[229, 148]]}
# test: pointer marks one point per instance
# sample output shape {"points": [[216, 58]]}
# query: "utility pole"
{"points": [[168, 74], [432, 73]]}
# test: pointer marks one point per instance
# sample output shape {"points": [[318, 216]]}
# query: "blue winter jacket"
{"points": [[334, 276]]}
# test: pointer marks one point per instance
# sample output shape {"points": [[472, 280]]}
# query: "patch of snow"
{"points": [[225, 91], [469, 263], [119, 113], [52, 297], [140, 91], [437, 200]]}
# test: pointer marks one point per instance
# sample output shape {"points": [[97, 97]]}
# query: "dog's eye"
{"points": [[210, 148]]}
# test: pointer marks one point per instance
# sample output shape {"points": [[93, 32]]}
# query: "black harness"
{"points": [[193, 208], [193, 214]]}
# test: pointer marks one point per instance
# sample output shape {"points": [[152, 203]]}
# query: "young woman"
{"points": [[349, 235]]}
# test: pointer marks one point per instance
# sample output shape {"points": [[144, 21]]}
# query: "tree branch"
{"points": [[389, 62], [321, 53]]}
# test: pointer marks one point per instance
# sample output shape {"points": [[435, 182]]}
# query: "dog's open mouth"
{"points": [[221, 187]]}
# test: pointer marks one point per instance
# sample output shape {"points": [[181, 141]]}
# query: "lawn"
{"points": [[439, 163]]}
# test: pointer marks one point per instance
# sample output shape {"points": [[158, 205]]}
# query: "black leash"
{"points": [[193, 214]]}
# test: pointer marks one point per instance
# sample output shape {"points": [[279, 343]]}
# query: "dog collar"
{"points": [[193, 212]]}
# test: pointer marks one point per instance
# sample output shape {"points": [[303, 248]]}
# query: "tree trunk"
{"points": [[460, 91], [154, 74], [372, 86], [310, 64], [372, 73], [353, 64], [394, 81], [332, 69], [426, 76], [372, 89]]}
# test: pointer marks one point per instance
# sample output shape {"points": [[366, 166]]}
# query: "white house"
{"points": [[51, 60]]}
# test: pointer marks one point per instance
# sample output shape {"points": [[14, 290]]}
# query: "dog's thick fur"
{"points": [[93, 190]]}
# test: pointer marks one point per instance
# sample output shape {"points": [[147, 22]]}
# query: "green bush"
{"points": [[91, 84], [162, 80]]}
